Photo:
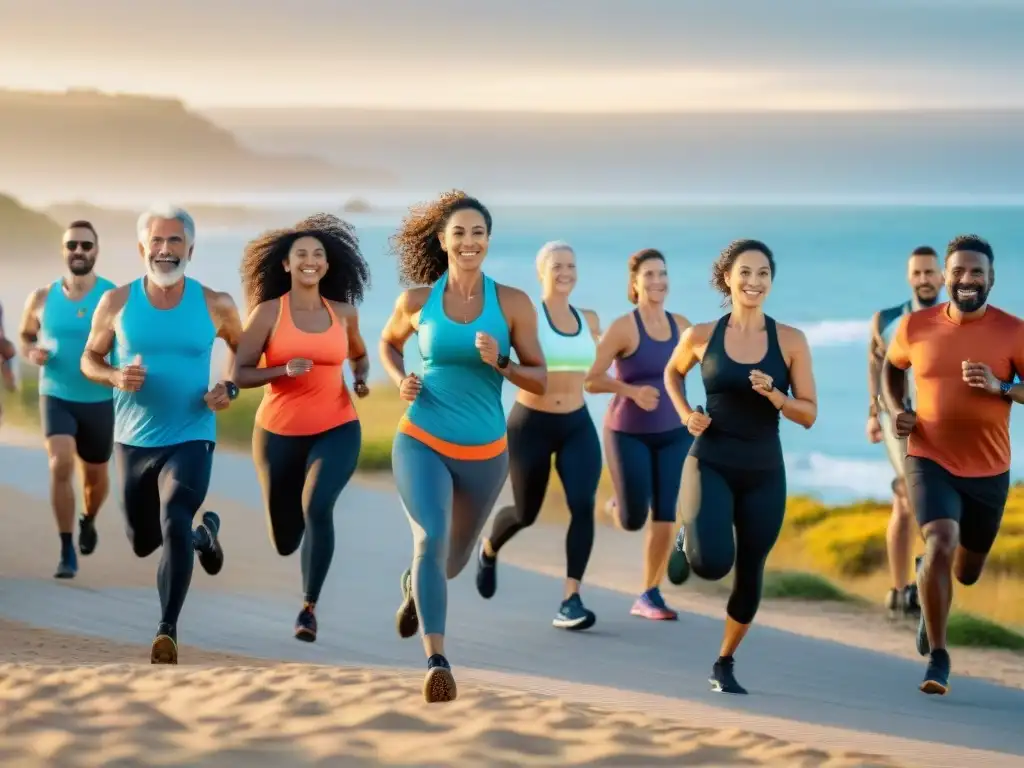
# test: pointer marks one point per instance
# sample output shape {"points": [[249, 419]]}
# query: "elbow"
{"points": [[810, 417], [590, 384]]}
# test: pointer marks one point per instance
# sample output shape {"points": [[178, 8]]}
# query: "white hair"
{"points": [[549, 248], [168, 212]]}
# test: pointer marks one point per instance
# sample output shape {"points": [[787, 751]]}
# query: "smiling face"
{"points": [[749, 279], [165, 252], [969, 278], [925, 278], [80, 250], [651, 281], [465, 239], [306, 262], [558, 272]]}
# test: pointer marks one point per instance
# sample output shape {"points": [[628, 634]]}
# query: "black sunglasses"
{"points": [[73, 245]]}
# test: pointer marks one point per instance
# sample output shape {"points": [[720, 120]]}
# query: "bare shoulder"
{"points": [[219, 300], [591, 318], [791, 338], [36, 300], [343, 309], [700, 334], [113, 301], [514, 298], [681, 320], [412, 301]]}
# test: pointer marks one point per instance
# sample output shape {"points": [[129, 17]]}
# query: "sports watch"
{"points": [[503, 361], [1005, 387], [232, 389]]}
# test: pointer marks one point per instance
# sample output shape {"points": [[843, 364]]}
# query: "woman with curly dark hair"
{"points": [[449, 458], [734, 480], [301, 286], [644, 440]]}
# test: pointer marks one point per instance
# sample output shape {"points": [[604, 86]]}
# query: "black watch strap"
{"points": [[232, 389], [503, 361]]}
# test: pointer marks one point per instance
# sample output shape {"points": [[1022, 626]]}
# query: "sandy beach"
{"points": [[76, 688]]}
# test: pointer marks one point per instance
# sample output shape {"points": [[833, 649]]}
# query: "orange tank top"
{"points": [[316, 401]]}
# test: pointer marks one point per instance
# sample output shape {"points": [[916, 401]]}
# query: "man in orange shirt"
{"points": [[965, 355]]}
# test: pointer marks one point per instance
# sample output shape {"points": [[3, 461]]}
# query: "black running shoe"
{"points": [[439, 684], [207, 543], [406, 620], [486, 574], [87, 537], [305, 625], [165, 646], [723, 680], [573, 615], [936, 677], [678, 564]]}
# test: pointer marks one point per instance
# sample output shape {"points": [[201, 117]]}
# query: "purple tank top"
{"points": [[645, 367]]}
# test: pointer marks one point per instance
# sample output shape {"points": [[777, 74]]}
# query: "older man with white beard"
{"points": [[159, 331]]}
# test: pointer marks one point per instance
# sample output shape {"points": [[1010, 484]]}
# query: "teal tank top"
{"points": [[63, 330], [176, 347], [566, 352], [888, 322], [460, 401]]}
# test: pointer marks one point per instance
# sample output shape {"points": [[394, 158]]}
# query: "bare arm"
{"points": [[876, 356], [246, 372], [358, 360], [593, 323], [802, 407], [30, 325], [224, 313], [531, 372], [101, 338], [400, 326], [687, 354], [616, 340], [894, 369]]}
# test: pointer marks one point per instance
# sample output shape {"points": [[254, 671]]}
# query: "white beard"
{"points": [[166, 279]]}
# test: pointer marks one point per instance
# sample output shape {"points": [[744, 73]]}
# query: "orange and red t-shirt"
{"points": [[962, 429]]}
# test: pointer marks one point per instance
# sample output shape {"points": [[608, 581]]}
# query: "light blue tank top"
{"points": [[176, 346], [63, 330], [889, 321], [566, 352], [461, 397]]}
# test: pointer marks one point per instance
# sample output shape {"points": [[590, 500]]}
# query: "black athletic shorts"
{"points": [[976, 503], [91, 424]]}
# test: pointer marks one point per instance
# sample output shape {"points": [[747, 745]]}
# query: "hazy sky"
{"points": [[525, 54]]}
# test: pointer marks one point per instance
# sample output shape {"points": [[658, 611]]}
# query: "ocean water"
{"points": [[835, 266]]}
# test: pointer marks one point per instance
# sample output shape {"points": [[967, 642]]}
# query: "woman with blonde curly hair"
{"points": [[449, 458], [301, 286]]}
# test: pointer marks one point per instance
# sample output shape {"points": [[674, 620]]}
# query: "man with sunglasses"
{"points": [[77, 414]]}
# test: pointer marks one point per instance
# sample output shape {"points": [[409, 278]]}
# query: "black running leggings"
{"points": [[302, 477], [161, 491], [533, 438], [717, 499]]}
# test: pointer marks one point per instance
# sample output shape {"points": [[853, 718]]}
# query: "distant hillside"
{"points": [[26, 233], [119, 223], [82, 144]]}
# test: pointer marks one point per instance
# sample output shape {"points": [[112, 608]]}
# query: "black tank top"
{"points": [[744, 429]]}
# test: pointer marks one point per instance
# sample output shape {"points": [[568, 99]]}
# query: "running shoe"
{"points": [[651, 605], [678, 564], [305, 625], [87, 537], [165, 646], [486, 574], [936, 677], [439, 684], [68, 565], [722, 678], [574, 615], [207, 543], [406, 620], [911, 601]]}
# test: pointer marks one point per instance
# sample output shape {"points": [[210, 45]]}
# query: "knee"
{"points": [[742, 606], [286, 544], [62, 466], [432, 545], [940, 547], [710, 568], [143, 546], [177, 529], [901, 511], [632, 515], [968, 576]]}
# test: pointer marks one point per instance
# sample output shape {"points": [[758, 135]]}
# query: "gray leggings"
{"points": [[448, 502]]}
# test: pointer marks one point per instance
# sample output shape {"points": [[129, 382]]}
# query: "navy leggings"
{"points": [[161, 491], [646, 470], [302, 477]]}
